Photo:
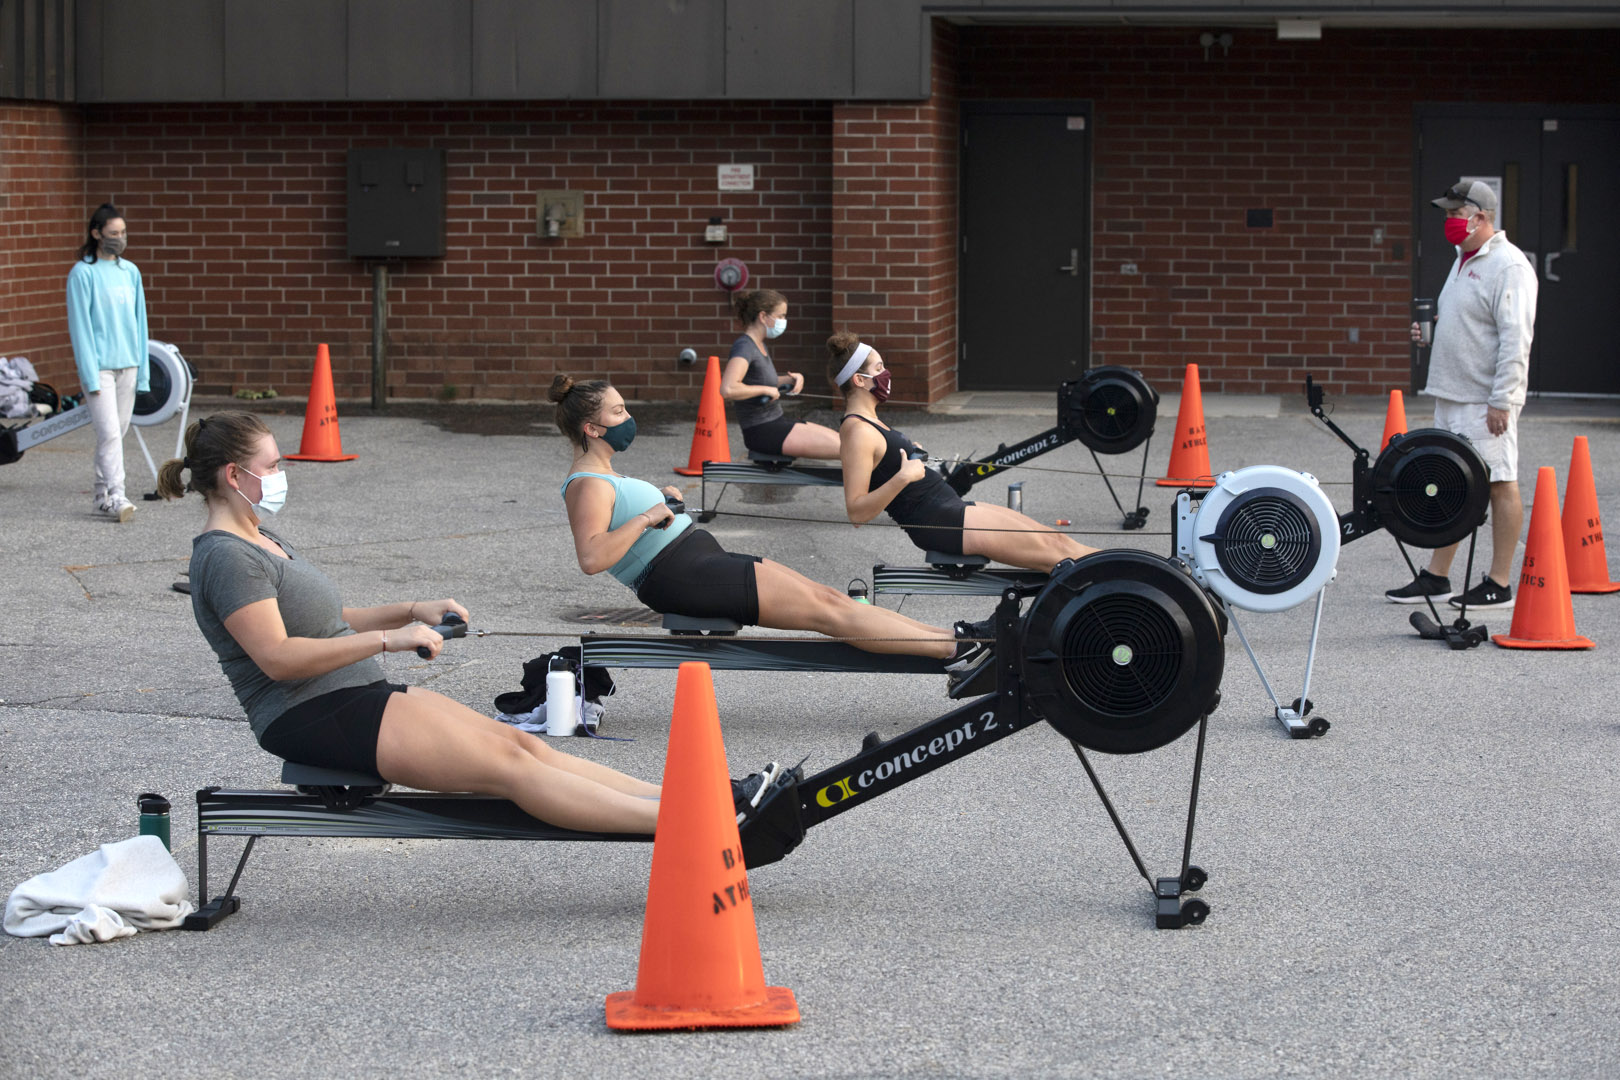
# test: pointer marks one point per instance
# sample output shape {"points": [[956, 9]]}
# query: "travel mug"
{"points": [[154, 816]]}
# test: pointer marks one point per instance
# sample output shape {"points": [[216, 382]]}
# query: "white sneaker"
{"points": [[120, 508]]}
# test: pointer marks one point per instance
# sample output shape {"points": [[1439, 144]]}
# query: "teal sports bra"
{"points": [[631, 497]]}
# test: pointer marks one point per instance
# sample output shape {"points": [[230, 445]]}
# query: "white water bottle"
{"points": [[562, 714]]}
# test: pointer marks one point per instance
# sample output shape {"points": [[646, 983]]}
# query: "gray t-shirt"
{"points": [[227, 574], [751, 412]]}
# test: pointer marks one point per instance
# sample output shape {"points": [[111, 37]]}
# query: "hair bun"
{"points": [[560, 387]]}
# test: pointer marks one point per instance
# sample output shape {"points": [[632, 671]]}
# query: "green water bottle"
{"points": [[857, 592], [154, 816]]}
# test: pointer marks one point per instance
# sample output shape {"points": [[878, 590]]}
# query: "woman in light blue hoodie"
{"points": [[107, 323]]}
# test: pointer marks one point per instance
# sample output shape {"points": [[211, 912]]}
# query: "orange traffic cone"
{"points": [[710, 442], [1544, 617], [1584, 554], [700, 964], [1189, 457], [1394, 419], [321, 441]]}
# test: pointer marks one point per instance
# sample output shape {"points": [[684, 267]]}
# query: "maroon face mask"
{"points": [[880, 385]]}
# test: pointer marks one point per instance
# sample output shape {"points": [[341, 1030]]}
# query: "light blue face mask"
{"points": [[272, 491], [776, 328]]}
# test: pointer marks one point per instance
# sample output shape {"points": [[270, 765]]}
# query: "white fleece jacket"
{"points": [[1483, 326]]}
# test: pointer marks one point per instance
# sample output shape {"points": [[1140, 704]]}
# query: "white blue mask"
{"points": [[776, 328]]}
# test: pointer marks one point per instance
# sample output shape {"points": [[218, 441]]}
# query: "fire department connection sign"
{"points": [[736, 178]]}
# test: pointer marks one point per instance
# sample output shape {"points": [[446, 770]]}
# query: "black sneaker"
{"points": [[1432, 586], [1487, 594], [969, 652], [748, 792]]}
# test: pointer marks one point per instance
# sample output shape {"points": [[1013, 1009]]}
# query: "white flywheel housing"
{"points": [[1264, 538], [169, 377]]}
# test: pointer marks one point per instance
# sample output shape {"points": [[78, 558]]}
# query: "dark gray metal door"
{"points": [[1578, 309], [1024, 283], [1559, 180]]}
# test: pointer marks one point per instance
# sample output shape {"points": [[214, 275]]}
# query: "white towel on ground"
{"points": [[136, 878], [94, 923]]}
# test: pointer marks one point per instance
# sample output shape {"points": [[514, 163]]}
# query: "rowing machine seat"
{"points": [[687, 625], [954, 565], [313, 776], [772, 462]]}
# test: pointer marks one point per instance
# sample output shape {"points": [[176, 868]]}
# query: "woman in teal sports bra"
{"points": [[624, 526]]}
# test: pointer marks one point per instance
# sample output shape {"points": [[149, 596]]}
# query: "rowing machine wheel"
{"points": [[1194, 912], [1121, 652], [1194, 880], [1430, 488], [1319, 726], [1110, 409], [1306, 711]]}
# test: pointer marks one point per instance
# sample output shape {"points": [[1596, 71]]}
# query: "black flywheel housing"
{"points": [[1122, 652], [1110, 409], [1430, 488]]}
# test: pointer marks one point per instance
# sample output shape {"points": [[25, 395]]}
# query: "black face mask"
{"points": [[620, 436]]}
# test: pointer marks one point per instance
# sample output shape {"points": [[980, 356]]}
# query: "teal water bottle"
{"points": [[154, 816], [857, 592]]}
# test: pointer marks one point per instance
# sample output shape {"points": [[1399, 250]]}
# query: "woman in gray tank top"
{"points": [[752, 384], [304, 666]]}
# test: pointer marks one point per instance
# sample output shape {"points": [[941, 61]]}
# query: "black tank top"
{"points": [[919, 500]]}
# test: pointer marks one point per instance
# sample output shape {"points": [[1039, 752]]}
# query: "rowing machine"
{"points": [[170, 378], [1429, 488], [771, 469], [1264, 539], [1111, 410], [1121, 652]]}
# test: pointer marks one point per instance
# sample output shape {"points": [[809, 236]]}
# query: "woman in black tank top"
{"points": [[883, 470]]}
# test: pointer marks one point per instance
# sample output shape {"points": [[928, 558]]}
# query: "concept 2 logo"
{"points": [[940, 746], [1000, 462]]}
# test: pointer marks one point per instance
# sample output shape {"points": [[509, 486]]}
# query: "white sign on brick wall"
{"points": [[736, 178]]}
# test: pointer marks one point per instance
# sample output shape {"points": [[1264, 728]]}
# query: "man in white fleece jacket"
{"points": [[1478, 372]]}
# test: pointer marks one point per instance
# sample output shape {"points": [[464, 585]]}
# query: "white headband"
{"points": [[856, 359]]}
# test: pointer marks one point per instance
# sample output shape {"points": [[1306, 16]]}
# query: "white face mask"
{"points": [[272, 491], [776, 328]]}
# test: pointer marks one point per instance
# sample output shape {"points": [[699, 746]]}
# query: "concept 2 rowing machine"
{"points": [[1121, 652], [1110, 410], [1428, 488]]}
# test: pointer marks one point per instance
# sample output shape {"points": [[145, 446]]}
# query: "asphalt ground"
{"points": [[1428, 890]]}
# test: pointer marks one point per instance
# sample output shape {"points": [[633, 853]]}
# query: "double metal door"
{"points": [[1557, 171]]}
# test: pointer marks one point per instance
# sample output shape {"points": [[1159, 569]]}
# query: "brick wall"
{"points": [[1184, 144], [894, 229], [43, 210], [237, 220]]}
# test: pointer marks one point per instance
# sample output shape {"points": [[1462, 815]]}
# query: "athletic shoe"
{"points": [[1487, 594], [119, 507], [984, 628], [1432, 586], [768, 821], [749, 792]]}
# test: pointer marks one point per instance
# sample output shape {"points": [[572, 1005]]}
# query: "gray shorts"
{"points": [[1500, 452]]}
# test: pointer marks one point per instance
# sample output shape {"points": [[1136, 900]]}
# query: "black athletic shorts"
{"points": [[333, 731], [943, 533], [767, 438], [696, 577]]}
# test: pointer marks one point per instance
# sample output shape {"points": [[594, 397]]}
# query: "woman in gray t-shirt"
{"points": [[752, 383], [303, 665]]}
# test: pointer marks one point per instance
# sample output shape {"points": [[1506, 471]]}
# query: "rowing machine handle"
{"points": [[450, 626]]}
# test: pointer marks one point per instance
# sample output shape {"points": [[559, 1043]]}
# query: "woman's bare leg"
{"points": [[811, 441], [1031, 544], [428, 741], [790, 601]]}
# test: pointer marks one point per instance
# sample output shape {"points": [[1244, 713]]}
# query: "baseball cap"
{"points": [[1475, 192]]}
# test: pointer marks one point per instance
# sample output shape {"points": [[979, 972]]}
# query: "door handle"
{"points": [[1073, 269], [1546, 266]]}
